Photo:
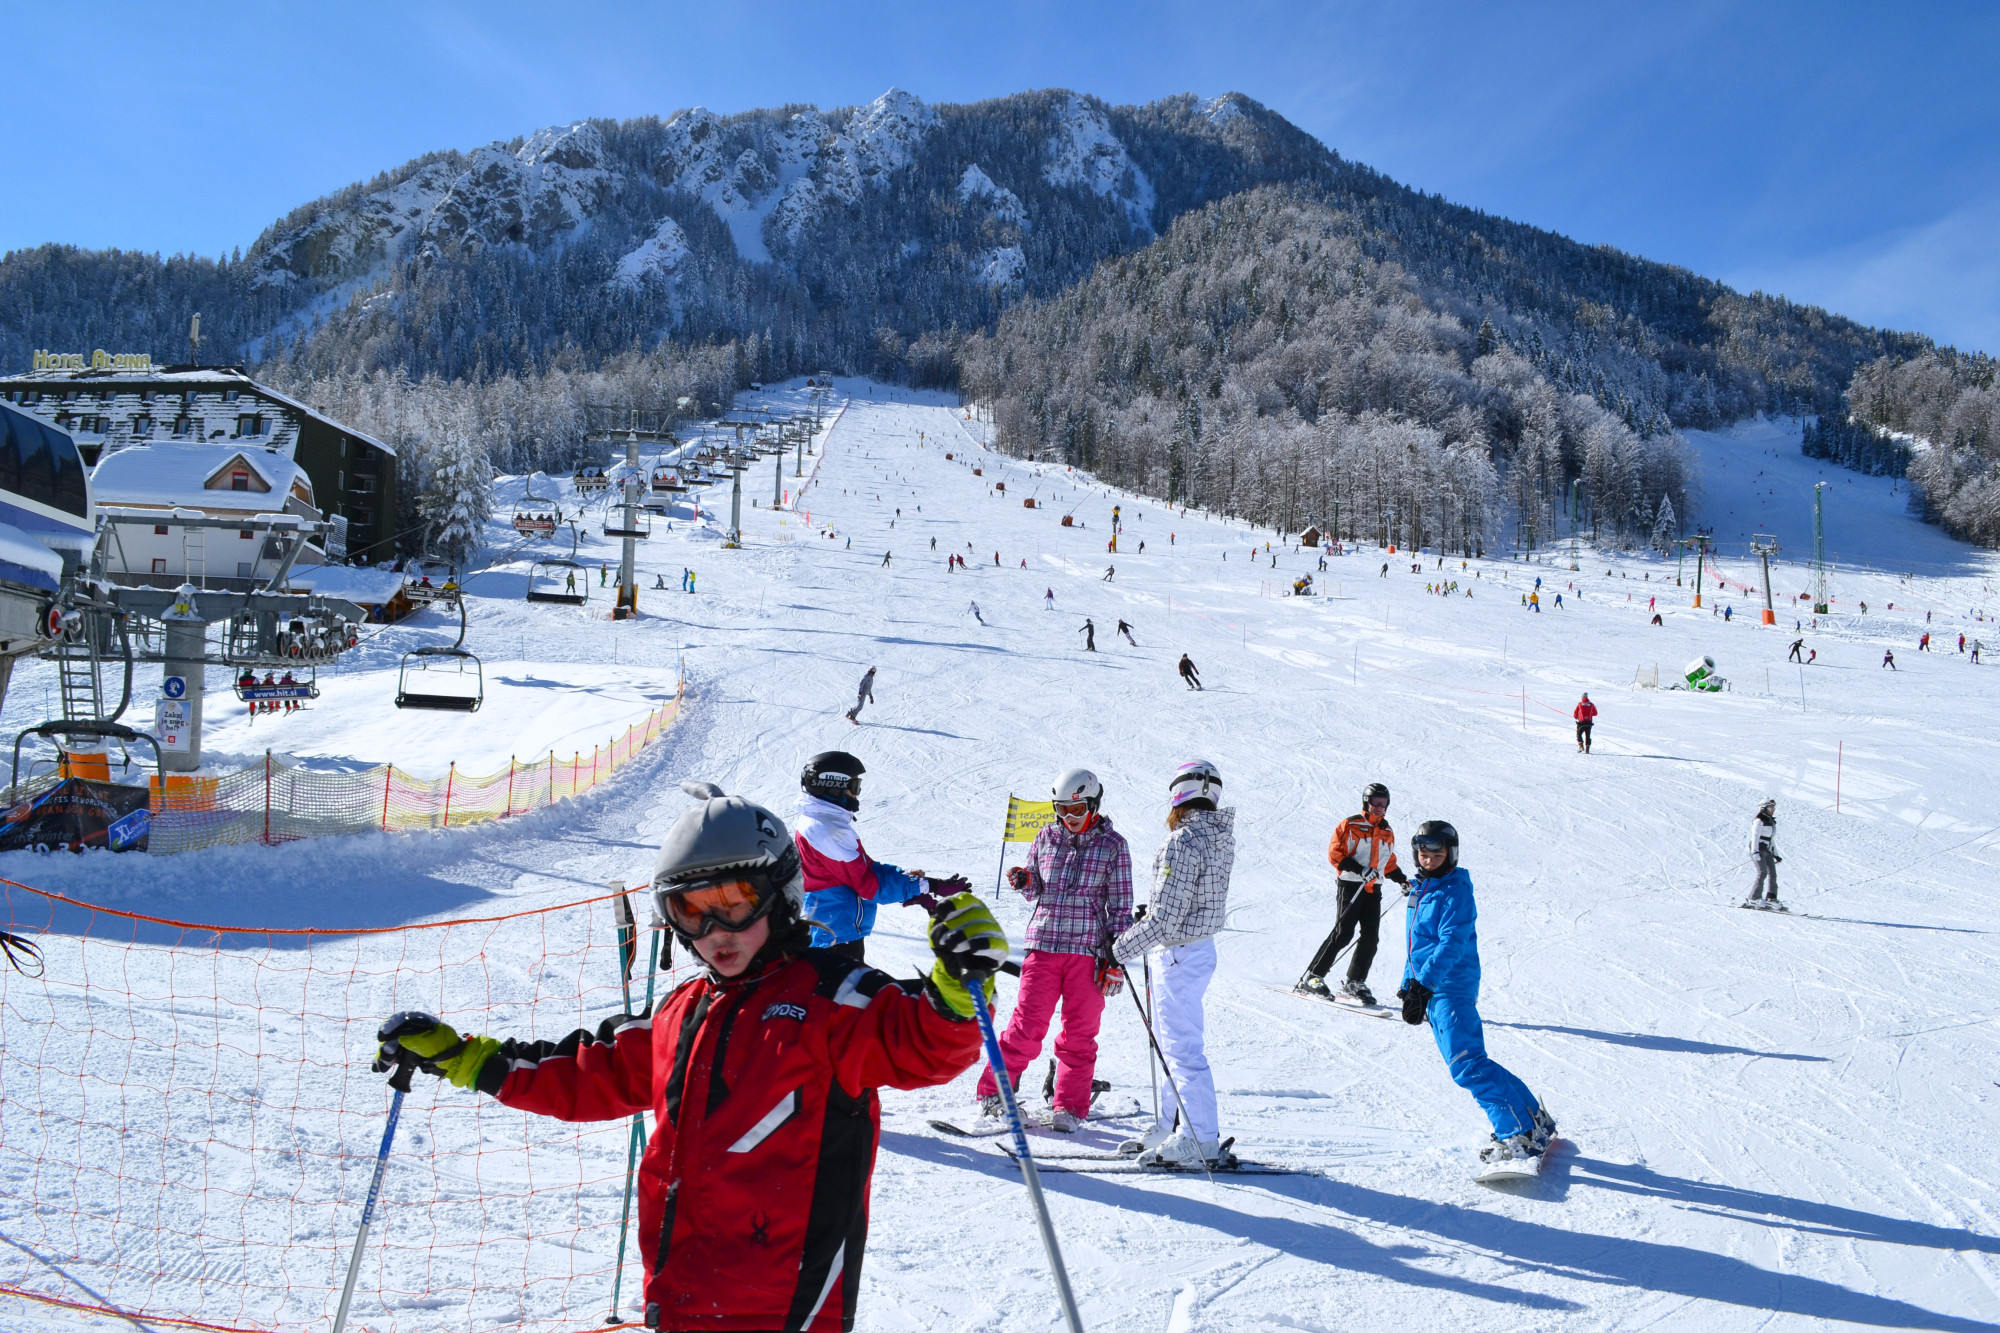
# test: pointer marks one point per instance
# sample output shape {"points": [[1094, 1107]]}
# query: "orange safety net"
{"points": [[275, 801], [189, 1125]]}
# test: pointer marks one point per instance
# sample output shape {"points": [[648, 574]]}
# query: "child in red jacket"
{"points": [[753, 1191]]}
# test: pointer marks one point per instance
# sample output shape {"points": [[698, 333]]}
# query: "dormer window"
{"points": [[142, 425], [250, 425], [182, 425]]}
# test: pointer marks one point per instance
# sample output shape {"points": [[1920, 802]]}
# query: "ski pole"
{"points": [[998, 1063], [1152, 1066], [400, 1081], [628, 938]]}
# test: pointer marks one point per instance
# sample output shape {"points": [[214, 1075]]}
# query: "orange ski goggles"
{"points": [[731, 904]]}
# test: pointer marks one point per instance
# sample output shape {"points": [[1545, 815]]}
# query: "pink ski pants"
{"points": [[1046, 979]]}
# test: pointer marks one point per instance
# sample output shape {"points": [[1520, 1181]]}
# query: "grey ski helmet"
{"points": [[1371, 791], [1435, 834], [728, 838], [834, 775]]}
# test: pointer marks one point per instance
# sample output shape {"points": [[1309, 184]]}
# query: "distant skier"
{"points": [[1441, 985], [1189, 674], [1385, 569], [1586, 717], [865, 693], [1049, 600], [1126, 630], [1089, 632], [1189, 904], [975, 614], [1657, 620], [1796, 645], [1764, 851], [1362, 852], [843, 884], [1889, 659], [1079, 881], [885, 559], [1109, 570]]}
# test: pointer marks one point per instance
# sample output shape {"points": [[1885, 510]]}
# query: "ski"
{"points": [[1753, 905], [1375, 1011], [982, 1132], [1119, 1164]]}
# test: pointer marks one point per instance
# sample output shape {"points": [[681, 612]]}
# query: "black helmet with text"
{"points": [[834, 775]]}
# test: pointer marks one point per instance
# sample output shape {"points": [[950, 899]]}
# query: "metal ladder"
{"points": [[194, 557], [82, 682]]}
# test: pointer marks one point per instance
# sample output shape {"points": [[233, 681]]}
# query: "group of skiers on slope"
{"points": [[761, 1072]]}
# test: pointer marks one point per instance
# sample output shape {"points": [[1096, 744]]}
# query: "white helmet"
{"points": [[1079, 784], [1197, 781]]}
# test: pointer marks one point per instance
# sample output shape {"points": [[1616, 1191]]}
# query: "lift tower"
{"points": [[612, 423]]}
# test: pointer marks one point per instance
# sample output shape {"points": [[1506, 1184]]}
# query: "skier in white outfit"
{"points": [[1189, 902]]}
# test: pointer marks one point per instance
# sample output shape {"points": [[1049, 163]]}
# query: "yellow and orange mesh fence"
{"points": [[188, 1124], [275, 801]]}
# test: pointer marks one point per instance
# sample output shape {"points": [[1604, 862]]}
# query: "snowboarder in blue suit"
{"points": [[1441, 984]]}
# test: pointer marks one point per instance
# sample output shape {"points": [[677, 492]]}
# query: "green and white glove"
{"points": [[970, 946], [434, 1047]]}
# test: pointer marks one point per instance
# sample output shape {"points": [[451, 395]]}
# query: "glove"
{"points": [[1110, 978], [1139, 912], [1017, 877], [1371, 881], [1416, 998], [1776, 859], [948, 887], [969, 945], [436, 1048], [1402, 880]]}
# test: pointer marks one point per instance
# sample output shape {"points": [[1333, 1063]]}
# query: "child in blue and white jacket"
{"points": [[1441, 984]]}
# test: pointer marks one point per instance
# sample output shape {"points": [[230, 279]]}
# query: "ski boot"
{"points": [[1313, 986], [1182, 1153], [1146, 1142], [1358, 992], [993, 1107], [1062, 1122]]}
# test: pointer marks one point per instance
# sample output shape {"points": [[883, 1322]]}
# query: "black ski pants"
{"points": [[1365, 917], [1583, 735]]}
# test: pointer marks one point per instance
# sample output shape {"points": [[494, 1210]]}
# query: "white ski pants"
{"points": [[1179, 982]]}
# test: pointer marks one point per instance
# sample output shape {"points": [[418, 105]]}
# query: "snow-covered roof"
{"points": [[190, 377], [178, 475]]}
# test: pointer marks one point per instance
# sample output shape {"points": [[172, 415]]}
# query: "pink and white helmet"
{"points": [[1196, 781]]}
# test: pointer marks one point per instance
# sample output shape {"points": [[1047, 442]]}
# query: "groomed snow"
{"points": [[1765, 1115]]}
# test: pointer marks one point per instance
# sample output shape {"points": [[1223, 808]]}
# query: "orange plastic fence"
{"points": [[274, 801], [188, 1124]]}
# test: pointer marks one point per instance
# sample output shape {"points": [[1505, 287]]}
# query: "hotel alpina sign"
{"points": [[97, 360]]}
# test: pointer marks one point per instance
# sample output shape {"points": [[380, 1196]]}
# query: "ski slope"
{"points": [[1769, 1122]]}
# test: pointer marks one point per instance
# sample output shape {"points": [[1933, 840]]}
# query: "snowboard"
{"points": [[1755, 906], [1515, 1168]]}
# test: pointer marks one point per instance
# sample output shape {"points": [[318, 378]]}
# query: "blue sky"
{"points": [[1842, 154]]}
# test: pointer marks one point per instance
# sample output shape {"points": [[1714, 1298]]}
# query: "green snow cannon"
{"points": [[1701, 676]]}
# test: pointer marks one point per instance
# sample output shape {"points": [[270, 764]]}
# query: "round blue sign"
{"points": [[174, 687]]}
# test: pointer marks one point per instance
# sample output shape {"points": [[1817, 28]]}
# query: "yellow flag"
{"points": [[1027, 818]]}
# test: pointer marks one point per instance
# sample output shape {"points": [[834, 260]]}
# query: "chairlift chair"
{"points": [[266, 698], [591, 481], [436, 676], [559, 581]]}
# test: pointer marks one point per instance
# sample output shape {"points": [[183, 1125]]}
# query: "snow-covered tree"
{"points": [[1665, 527]]}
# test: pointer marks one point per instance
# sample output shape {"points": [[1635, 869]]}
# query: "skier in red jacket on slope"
{"points": [[1586, 716], [761, 1075]]}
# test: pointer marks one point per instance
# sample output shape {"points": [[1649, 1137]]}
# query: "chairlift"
{"points": [[421, 591], [667, 480], [276, 693], [558, 578], [591, 481], [445, 678], [642, 523]]}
